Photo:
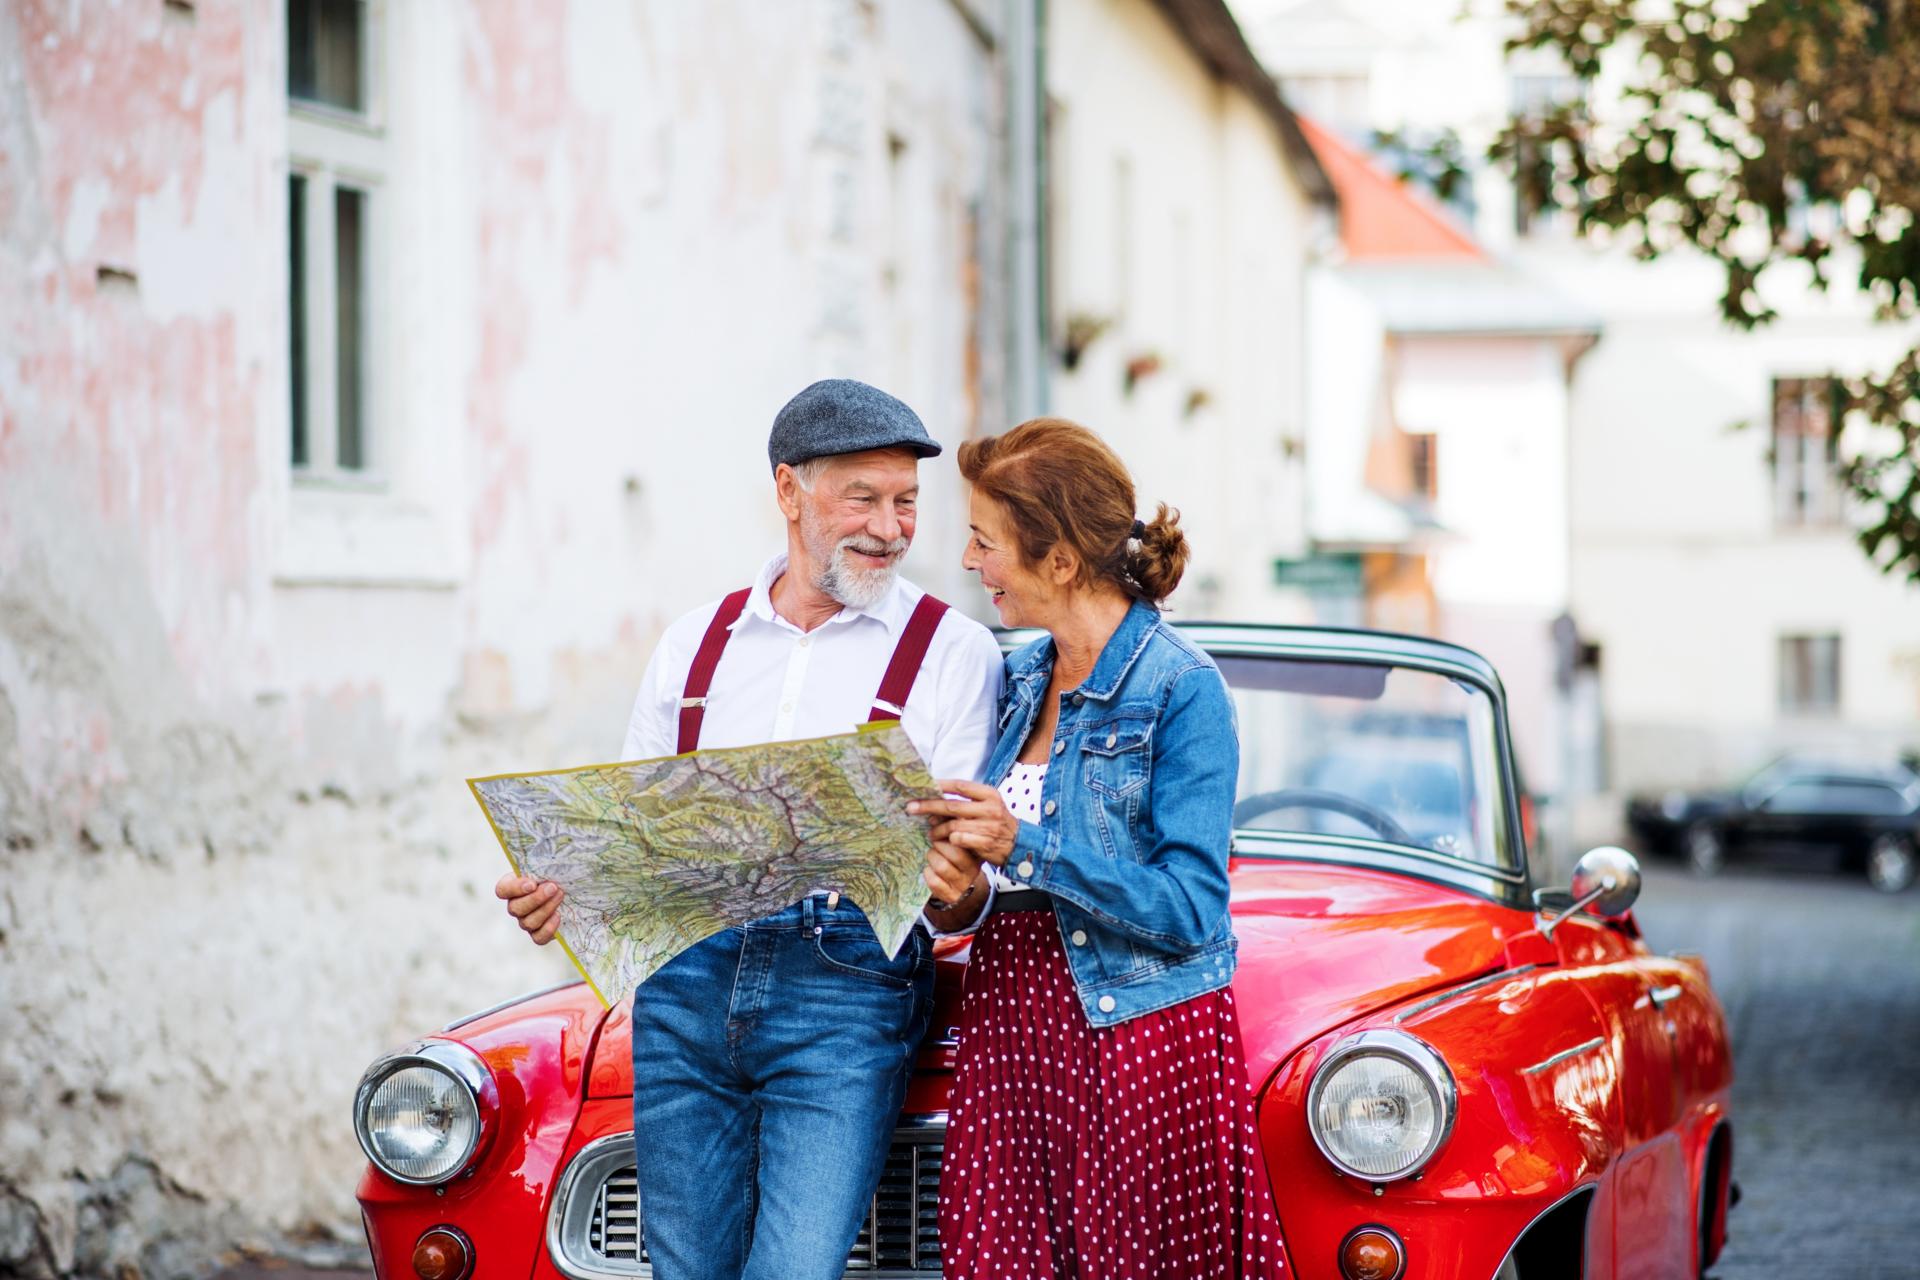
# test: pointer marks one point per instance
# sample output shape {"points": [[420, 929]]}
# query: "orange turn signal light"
{"points": [[1372, 1253], [443, 1254]]}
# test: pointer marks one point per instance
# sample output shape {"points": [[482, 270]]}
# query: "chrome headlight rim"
{"points": [[1415, 1053], [452, 1059]]}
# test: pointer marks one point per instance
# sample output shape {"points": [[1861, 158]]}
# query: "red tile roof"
{"points": [[1381, 216]]}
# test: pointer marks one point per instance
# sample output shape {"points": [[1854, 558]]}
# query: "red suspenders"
{"points": [[693, 701], [889, 703]]}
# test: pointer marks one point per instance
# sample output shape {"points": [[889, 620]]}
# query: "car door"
{"points": [[1649, 1195], [1796, 815], [1863, 808]]}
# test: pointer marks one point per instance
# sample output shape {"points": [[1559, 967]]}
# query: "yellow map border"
{"points": [[870, 726]]}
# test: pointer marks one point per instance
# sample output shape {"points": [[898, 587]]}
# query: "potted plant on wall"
{"points": [[1083, 330], [1144, 365]]}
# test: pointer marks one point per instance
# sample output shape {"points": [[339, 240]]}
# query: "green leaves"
{"points": [[1771, 132]]}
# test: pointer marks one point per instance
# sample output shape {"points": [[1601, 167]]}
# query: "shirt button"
{"points": [[1049, 807], [1025, 869], [1079, 937], [786, 706], [805, 641], [1058, 747], [1106, 1004], [1112, 738]]}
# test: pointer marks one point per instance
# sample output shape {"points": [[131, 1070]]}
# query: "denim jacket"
{"points": [[1138, 801]]}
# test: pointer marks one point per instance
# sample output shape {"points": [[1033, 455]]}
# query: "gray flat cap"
{"points": [[839, 415]]}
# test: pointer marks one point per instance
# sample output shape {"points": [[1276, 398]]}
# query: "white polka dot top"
{"points": [[1021, 790]]}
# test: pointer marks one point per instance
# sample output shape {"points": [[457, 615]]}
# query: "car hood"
{"points": [[1320, 945]]}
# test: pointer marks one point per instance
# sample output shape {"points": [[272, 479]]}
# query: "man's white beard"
{"points": [[855, 587]]}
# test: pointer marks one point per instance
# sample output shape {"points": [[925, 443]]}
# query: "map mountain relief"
{"points": [[655, 855]]}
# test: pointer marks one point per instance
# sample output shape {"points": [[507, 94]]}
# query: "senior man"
{"points": [[770, 1061]]}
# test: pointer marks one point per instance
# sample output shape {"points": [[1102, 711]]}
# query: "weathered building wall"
{"points": [[1181, 230], [236, 856]]}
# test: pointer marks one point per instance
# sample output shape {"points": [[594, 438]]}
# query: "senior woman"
{"points": [[1102, 1122]]}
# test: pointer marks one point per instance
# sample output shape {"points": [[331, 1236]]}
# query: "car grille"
{"points": [[598, 1230]]}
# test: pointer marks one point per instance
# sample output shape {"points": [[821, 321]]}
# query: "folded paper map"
{"points": [[655, 855]]}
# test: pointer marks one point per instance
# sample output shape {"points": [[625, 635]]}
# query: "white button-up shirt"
{"points": [[776, 683]]}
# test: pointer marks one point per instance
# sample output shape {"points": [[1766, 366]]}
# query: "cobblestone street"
{"points": [[1820, 976]]}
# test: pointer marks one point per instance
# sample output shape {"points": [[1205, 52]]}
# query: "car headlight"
{"points": [[424, 1114], [1381, 1104]]}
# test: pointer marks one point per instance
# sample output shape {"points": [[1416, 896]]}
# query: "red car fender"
{"points": [[1539, 1118], [537, 1051]]}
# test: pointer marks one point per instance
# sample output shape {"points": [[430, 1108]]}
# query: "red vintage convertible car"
{"points": [[1459, 1075]]}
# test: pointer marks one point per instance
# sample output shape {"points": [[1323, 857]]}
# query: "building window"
{"points": [[1810, 675], [337, 168], [327, 53], [1543, 194], [1424, 456], [1806, 478]]}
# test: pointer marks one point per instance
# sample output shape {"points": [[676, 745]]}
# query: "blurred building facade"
{"points": [[1183, 211], [1718, 610], [1441, 403], [378, 379]]}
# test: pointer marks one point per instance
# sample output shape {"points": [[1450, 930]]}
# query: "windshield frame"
{"points": [[1510, 884]]}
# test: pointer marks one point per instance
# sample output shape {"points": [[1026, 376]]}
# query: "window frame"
{"points": [[1814, 504], [333, 148], [1802, 706]]}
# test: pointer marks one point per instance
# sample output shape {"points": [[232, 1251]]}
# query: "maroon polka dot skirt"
{"points": [[1076, 1153]]}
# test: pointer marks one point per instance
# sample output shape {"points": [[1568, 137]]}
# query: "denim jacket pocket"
{"points": [[1116, 755], [851, 948]]}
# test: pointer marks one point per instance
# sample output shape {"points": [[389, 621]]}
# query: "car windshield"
{"points": [[1377, 752]]}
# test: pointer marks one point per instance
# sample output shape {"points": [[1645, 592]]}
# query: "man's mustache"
{"points": [[874, 547]]}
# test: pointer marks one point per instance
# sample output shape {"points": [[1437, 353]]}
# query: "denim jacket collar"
{"points": [[1029, 675]]}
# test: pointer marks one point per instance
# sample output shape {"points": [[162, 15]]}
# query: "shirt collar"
{"points": [[890, 610]]}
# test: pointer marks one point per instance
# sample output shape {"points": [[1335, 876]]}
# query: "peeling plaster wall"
{"points": [[236, 857]]}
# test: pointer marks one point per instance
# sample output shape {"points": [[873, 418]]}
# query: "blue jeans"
{"points": [[769, 1066]]}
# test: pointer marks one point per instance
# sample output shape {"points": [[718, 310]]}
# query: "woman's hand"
{"points": [[950, 875], [979, 824]]}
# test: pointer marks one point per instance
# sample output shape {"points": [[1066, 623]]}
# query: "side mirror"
{"points": [[1606, 879]]}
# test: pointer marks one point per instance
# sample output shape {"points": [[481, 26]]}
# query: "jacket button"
{"points": [[1025, 869], [1050, 807], [1058, 747], [1079, 937], [1078, 699], [1112, 738], [1106, 1004]]}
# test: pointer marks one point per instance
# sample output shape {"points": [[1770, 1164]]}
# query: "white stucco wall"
{"points": [[1680, 570], [235, 711], [1179, 220]]}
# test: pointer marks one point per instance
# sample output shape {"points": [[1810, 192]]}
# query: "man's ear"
{"points": [[787, 491]]}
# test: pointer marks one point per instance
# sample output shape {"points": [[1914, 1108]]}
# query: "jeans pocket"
{"points": [[853, 949]]}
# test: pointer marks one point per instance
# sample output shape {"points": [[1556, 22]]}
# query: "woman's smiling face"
{"points": [[1024, 597]]}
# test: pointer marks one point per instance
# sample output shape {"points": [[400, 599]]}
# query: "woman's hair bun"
{"points": [[1162, 557]]}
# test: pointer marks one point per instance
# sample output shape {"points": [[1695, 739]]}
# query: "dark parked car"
{"points": [[1867, 815]]}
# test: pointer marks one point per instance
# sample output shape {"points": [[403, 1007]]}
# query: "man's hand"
{"points": [[534, 903]]}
